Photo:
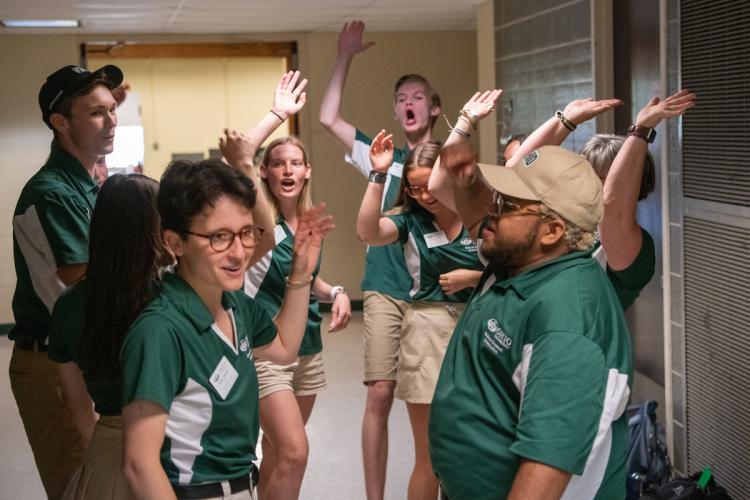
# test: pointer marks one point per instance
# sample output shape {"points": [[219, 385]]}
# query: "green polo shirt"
{"points": [[629, 282], [385, 270], [50, 230], [428, 253], [68, 318], [539, 368], [266, 283], [175, 356]]}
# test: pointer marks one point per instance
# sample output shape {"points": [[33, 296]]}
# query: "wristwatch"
{"points": [[645, 133], [337, 290], [377, 177]]}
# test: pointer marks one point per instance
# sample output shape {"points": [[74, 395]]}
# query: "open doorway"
{"points": [[182, 96]]}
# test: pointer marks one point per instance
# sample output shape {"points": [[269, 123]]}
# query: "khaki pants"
{"points": [[57, 445]]}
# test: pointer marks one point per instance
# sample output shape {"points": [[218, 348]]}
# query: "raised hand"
{"points": [[656, 110], [341, 313], [381, 152], [237, 150], [289, 97], [482, 104], [350, 39], [312, 227], [460, 162], [582, 110]]}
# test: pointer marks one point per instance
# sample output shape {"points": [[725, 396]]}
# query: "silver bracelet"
{"points": [[293, 285]]}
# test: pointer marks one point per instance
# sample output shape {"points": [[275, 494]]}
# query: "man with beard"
{"points": [[532, 394]]}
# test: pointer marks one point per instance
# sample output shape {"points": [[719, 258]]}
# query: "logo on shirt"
{"points": [[469, 245], [244, 345], [495, 338]]}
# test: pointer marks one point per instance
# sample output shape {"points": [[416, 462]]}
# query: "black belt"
{"points": [[31, 345], [199, 491]]}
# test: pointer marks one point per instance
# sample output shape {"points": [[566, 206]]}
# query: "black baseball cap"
{"points": [[70, 79]]}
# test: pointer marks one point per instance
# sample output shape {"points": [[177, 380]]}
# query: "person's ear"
{"points": [[308, 171], [263, 172], [59, 123], [174, 243], [435, 111], [553, 232]]}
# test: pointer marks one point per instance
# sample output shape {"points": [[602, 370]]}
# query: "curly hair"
{"points": [[577, 238]]}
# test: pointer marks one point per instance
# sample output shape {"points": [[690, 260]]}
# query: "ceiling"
{"points": [[241, 16]]}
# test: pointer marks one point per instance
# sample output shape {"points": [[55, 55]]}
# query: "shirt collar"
{"points": [[63, 159], [528, 281], [187, 302]]}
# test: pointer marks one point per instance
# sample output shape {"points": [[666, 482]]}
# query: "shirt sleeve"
{"points": [[359, 157], [261, 328], [562, 380], [151, 362], [65, 220], [629, 282], [402, 224]]}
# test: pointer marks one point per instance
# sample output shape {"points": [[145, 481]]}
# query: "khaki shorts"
{"points": [[304, 377], [382, 321], [427, 329], [100, 475]]}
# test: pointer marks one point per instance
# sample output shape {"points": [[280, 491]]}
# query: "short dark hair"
{"points": [[187, 188], [125, 251]]}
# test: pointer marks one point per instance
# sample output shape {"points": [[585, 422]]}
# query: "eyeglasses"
{"points": [[500, 205], [222, 240], [416, 191]]}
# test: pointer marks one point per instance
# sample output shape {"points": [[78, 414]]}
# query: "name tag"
{"points": [[279, 234], [224, 377], [436, 239]]}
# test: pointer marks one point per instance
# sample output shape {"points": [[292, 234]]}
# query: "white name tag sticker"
{"points": [[436, 239], [279, 234], [224, 377]]}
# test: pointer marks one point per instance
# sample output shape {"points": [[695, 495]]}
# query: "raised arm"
{"points": [[471, 194], [619, 231], [371, 227], [554, 131], [349, 44], [291, 320], [239, 150], [477, 108]]}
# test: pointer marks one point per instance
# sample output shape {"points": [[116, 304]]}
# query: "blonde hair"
{"points": [[577, 238], [304, 202]]}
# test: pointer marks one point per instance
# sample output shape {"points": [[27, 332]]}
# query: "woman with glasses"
{"points": [[190, 414], [444, 267], [90, 320], [288, 391]]}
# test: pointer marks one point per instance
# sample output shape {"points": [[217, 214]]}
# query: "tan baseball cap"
{"points": [[561, 179]]}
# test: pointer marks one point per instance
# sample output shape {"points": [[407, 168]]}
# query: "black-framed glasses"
{"points": [[416, 191], [222, 240], [500, 205]]}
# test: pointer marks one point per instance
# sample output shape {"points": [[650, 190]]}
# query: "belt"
{"points": [[31, 345], [212, 490]]}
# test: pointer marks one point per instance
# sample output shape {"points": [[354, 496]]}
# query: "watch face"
{"points": [[651, 135]]}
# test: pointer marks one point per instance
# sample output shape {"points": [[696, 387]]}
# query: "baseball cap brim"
{"points": [[506, 181]]}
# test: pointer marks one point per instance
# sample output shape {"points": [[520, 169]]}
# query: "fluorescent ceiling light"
{"points": [[40, 23]]}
